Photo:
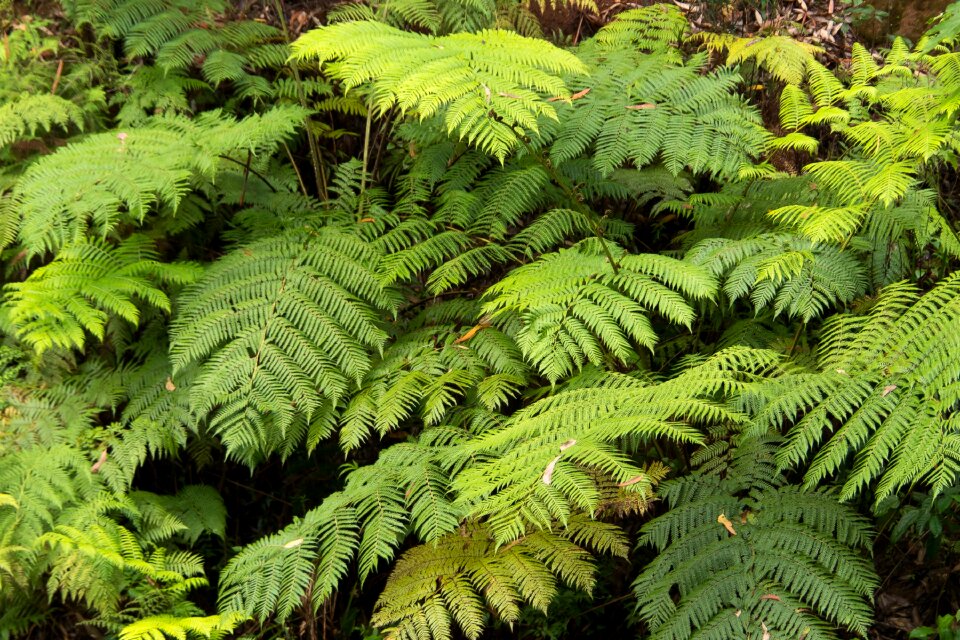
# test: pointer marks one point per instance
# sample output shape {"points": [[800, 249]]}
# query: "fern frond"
{"points": [[883, 398], [28, 114], [159, 627], [547, 460], [87, 283], [575, 306], [783, 57], [433, 586], [753, 559], [486, 85], [794, 276], [280, 328], [120, 177]]}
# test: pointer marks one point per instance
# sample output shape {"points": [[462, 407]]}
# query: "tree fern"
{"points": [[644, 108], [791, 276], [433, 586], [25, 116], [785, 58], [547, 461], [122, 177], [442, 358]]}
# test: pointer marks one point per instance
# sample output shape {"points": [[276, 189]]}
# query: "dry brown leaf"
{"points": [[644, 105], [580, 94], [293, 543], [504, 94], [770, 596], [99, 463], [168, 385], [483, 323], [366, 220], [725, 521], [887, 389], [633, 480], [766, 632], [548, 471]]}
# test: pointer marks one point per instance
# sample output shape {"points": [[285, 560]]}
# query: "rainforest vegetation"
{"points": [[435, 319]]}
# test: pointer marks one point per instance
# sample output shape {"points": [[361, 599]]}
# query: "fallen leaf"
{"points": [[887, 389], [643, 105], [766, 632], [293, 543], [483, 323], [366, 220], [842, 372], [566, 445], [580, 94], [503, 94], [770, 596], [633, 480], [548, 471], [99, 463], [725, 521], [486, 93], [168, 385]]}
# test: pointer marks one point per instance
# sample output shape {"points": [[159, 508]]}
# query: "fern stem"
{"points": [[319, 175], [296, 169], [251, 170], [366, 158], [796, 339], [575, 201], [246, 178]]}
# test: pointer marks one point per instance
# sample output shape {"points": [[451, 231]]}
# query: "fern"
{"points": [[487, 85], [785, 58], [84, 285], [660, 28], [882, 394], [272, 324], [751, 556], [28, 114], [122, 177], [644, 108], [791, 276], [431, 587], [575, 306], [546, 462], [436, 363], [159, 627]]}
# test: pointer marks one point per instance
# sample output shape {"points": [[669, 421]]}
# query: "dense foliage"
{"points": [[422, 310]]}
